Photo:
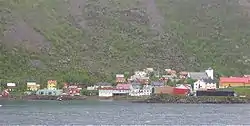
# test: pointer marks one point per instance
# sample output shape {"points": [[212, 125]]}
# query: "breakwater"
{"points": [[194, 100]]}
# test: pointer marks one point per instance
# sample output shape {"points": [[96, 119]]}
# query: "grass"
{"points": [[107, 37]]}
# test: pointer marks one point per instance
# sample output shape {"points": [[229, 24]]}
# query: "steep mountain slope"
{"points": [[92, 39]]}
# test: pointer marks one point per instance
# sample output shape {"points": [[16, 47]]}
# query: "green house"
{"points": [[49, 92]]}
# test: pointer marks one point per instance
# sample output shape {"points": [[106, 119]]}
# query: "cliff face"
{"points": [[69, 38]]}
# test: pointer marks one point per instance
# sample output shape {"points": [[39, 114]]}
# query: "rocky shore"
{"points": [[36, 97], [65, 98], [194, 100]]}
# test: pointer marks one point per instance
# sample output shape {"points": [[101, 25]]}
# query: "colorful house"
{"points": [[52, 85], [32, 86], [234, 82]]}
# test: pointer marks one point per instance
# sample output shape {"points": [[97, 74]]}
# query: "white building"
{"points": [[145, 91], [210, 73], [204, 84], [105, 92]]}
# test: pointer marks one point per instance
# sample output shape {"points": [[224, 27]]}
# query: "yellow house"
{"points": [[52, 85], [32, 86]]}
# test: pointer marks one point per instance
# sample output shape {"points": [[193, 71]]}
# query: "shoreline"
{"points": [[194, 100], [143, 99]]}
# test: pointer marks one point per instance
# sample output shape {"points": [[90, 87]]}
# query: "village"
{"points": [[142, 83]]}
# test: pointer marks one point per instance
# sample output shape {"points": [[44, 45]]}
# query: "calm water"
{"points": [[118, 113]]}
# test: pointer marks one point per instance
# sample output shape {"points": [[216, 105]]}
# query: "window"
{"points": [[41, 92], [50, 93]]}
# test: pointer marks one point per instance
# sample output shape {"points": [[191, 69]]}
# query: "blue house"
{"points": [[49, 92]]}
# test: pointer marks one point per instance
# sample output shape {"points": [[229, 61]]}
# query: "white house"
{"points": [[106, 92], [204, 84], [145, 91]]}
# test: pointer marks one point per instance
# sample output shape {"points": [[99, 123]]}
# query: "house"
{"points": [[11, 86], [105, 92], [138, 75], [120, 78], [146, 90], [52, 85], [122, 89], [73, 90], [52, 92], [144, 80], [157, 84], [197, 75], [149, 70], [170, 72], [163, 90], [123, 86], [32, 86], [234, 82], [204, 84], [183, 74]]}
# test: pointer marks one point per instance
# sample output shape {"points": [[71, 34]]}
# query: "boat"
{"points": [[59, 98]]}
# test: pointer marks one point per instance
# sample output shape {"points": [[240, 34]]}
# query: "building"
{"points": [[181, 90], [234, 82], [73, 90], [11, 86], [146, 90], [204, 84], [123, 86], [120, 78], [210, 73], [157, 84], [183, 74], [32, 86], [52, 85], [163, 90], [106, 92], [51, 92], [197, 75]]}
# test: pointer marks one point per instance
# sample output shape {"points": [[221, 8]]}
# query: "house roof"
{"points": [[209, 80], [157, 83], [234, 80], [123, 86], [198, 75]]}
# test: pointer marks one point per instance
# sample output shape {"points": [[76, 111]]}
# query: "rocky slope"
{"points": [[86, 40]]}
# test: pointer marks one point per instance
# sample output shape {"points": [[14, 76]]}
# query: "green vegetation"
{"points": [[89, 92], [241, 90], [90, 40]]}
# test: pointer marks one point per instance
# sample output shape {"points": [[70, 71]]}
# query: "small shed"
{"points": [[49, 92]]}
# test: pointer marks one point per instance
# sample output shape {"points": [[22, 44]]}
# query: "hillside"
{"points": [[93, 39]]}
